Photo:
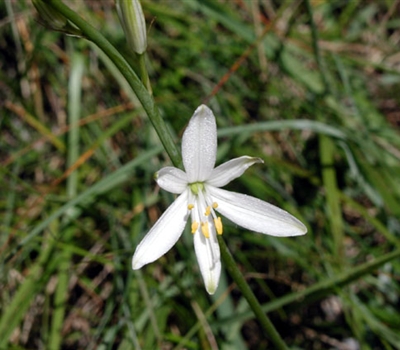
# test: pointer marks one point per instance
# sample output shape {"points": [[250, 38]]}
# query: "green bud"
{"points": [[131, 16], [53, 19]]}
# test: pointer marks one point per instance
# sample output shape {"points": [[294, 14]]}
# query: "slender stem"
{"points": [[235, 273], [144, 75], [140, 90]]}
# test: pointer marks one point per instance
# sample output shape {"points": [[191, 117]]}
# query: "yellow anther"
{"points": [[195, 226], [218, 225], [190, 206], [215, 205], [208, 210], [205, 230]]}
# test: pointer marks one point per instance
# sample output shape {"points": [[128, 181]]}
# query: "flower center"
{"points": [[202, 210], [196, 187]]}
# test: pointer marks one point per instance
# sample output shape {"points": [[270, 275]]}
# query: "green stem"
{"points": [[237, 276], [140, 90], [144, 75]]}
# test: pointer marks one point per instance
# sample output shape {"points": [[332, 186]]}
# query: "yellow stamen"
{"points": [[208, 210], [205, 230], [190, 206], [215, 205], [218, 225], [195, 226]]}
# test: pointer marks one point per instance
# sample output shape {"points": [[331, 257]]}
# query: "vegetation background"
{"points": [[317, 100]]}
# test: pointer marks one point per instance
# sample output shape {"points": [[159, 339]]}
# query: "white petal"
{"points": [[208, 257], [163, 235], [255, 214], [199, 145], [172, 179], [225, 173]]}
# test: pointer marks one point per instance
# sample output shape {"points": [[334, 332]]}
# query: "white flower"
{"points": [[200, 197]]}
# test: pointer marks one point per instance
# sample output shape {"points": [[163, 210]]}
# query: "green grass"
{"points": [[317, 100]]}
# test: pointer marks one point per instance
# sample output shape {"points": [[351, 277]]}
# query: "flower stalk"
{"points": [[133, 80], [132, 19]]}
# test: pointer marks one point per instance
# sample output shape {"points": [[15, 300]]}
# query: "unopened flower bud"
{"points": [[132, 19], [53, 19]]}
